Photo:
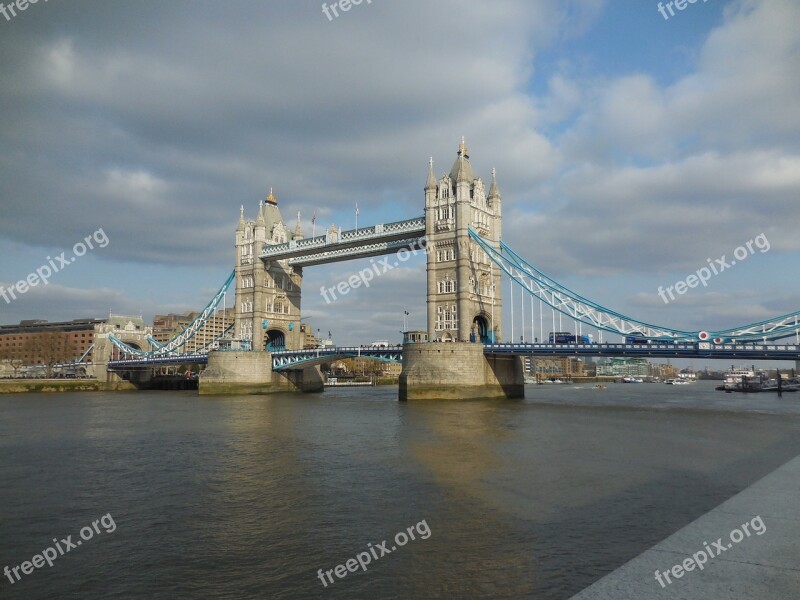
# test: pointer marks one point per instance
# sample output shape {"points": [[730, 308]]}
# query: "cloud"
{"points": [[158, 120]]}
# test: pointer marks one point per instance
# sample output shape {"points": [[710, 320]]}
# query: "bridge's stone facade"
{"points": [[458, 371], [464, 303], [464, 300], [267, 293], [130, 330]]}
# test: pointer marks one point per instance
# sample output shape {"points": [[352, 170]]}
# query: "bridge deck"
{"points": [[295, 359]]}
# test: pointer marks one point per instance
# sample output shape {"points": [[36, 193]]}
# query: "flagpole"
{"points": [[356, 217], [314, 225]]}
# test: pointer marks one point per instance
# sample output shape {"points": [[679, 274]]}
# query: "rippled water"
{"points": [[248, 497]]}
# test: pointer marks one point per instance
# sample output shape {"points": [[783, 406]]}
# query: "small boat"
{"points": [[745, 380], [677, 382]]}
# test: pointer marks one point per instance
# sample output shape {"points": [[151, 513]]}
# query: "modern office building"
{"points": [[166, 327]]}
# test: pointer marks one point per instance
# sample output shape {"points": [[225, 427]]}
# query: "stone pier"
{"points": [[458, 371], [230, 373]]}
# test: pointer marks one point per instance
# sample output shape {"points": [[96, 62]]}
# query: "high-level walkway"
{"points": [[763, 566]]}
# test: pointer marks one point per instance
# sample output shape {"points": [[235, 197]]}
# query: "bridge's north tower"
{"points": [[267, 294], [464, 300]]}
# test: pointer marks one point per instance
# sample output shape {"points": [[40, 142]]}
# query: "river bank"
{"points": [[23, 386]]}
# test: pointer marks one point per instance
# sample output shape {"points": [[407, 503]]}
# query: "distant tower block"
{"points": [[464, 300], [267, 296]]}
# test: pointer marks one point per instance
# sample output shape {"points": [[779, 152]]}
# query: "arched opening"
{"points": [[480, 330], [275, 340]]}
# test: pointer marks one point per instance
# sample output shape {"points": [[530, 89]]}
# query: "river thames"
{"points": [[250, 497]]}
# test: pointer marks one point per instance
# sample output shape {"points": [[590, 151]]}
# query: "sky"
{"points": [[629, 148]]}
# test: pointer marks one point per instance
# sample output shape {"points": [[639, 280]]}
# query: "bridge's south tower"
{"points": [[464, 301], [267, 294]]}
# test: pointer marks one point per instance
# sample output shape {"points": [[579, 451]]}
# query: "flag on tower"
{"points": [[356, 208]]}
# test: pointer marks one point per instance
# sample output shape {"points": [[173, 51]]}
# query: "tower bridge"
{"points": [[461, 233]]}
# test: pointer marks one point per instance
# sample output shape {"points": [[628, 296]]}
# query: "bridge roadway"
{"points": [[299, 359]]}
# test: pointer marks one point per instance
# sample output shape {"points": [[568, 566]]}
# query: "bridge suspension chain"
{"points": [[588, 312], [179, 340]]}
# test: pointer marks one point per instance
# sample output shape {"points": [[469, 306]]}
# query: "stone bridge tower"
{"points": [[464, 300], [267, 294]]}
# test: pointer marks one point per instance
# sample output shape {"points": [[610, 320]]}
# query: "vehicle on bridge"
{"points": [[636, 337], [567, 337]]}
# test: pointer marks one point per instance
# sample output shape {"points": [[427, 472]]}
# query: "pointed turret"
{"points": [[430, 184], [260, 218], [240, 226], [298, 228], [462, 169], [494, 191]]}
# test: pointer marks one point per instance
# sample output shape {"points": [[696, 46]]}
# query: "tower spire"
{"points": [[462, 148], [462, 169], [494, 191], [431, 182], [298, 229]]}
